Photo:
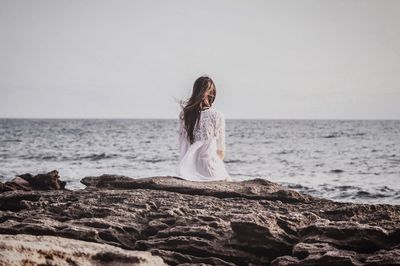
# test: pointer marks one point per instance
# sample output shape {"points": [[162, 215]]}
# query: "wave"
{"points": [[336, 171], [368, 195], [346, 192], [301, 188], [283, 152], [358, 134], [50, 157], [97, 157], [39, 157], [11, 140], [338, 134], [333, 135], [358, 194], [153, 160], [386, 189], [234, 161], [346, 188]]}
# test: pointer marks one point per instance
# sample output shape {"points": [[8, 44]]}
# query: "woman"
{"points": [[202, 136]]}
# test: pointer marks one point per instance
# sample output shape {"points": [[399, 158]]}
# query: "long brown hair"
{"points": [[198, 100]]}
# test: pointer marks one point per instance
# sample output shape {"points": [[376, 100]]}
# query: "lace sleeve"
{"points": [[183, 142], [181, 124], [220, 132]]}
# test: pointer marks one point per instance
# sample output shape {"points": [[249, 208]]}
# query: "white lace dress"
{"points": [[199, 161]]}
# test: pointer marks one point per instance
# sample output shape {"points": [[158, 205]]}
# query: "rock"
{"points": [[15, 201], [12, 186], [285, 261], [347, 235], [326, 254], [384, 257], [49, 181], [251, 189], [319, 254], [253, 222], [51, 250], [28, 182], [20, 181]]}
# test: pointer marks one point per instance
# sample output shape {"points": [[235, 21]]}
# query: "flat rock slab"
{"points": [[50, 250], [253, 222], [252, 189]]}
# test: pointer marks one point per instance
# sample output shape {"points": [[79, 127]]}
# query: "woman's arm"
{"points": [[221, 154]]}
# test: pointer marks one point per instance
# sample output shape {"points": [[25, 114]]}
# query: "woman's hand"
{"points": [[221, 154]]}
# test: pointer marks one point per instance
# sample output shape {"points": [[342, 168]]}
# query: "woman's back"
{"points": [[210, 126], [199, 160]]}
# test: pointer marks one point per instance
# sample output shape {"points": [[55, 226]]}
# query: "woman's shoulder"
{"points": [[216, 112], [212, 110]]}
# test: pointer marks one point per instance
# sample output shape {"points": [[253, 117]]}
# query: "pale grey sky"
{"points": [[132, 59]]}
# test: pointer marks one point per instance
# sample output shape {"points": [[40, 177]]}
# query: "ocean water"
{"points": [[353, 161]]}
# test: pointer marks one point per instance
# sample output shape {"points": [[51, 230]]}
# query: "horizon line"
{"points": [[152, 118]]}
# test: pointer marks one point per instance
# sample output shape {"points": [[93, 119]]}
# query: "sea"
{"points": [[349, 160]]}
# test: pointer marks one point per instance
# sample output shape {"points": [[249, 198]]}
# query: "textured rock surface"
{"points": [[51, 250], [28, 182], [218, 223]]}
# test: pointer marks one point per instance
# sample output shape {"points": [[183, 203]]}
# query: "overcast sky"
{"points": [[135, 59]]}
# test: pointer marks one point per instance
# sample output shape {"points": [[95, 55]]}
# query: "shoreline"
{"points": [[216, 223]]}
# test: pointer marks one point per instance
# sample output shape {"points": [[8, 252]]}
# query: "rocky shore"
{"points": [[123, 221]]}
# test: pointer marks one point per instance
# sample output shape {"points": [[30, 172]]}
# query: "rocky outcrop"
{"points": [[258, 189], [326, 254], [50, 250], [253, 222], [28, 182]]}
